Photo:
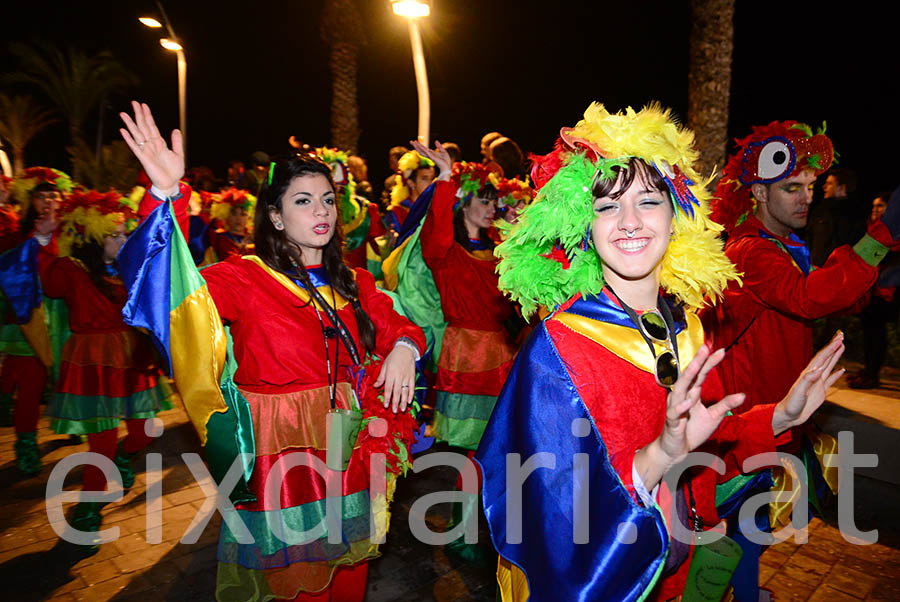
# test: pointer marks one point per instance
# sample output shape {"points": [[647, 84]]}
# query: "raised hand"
{"points": [[163, 165], [439, 155], [808, 392]]}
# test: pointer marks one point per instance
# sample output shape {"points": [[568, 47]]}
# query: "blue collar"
{"points": [[478, 245], [604, 309], [798, 251], [317, 276]]}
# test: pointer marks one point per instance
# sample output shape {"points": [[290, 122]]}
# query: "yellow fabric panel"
{"points": [[297, 290], [787, 495], [198, 343], [627, 342], [35, 331], [389, 266], [512, 582]]}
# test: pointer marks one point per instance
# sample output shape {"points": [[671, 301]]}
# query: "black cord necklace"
{"points": [[328, 332], [663, 308]]}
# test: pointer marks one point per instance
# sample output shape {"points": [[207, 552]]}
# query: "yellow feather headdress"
{"points": [[548, 257], [409, 162]]}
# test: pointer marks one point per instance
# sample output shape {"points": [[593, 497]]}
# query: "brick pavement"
{"points": [[33, 567]]}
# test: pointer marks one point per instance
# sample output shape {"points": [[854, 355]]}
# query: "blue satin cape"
{"points": [[534, 413]]}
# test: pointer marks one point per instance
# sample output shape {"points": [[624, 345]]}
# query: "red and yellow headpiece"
{"points": [[90, 216], [230, 199], [769, 154]]}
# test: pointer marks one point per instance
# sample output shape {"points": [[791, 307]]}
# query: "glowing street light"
{"points": [[171, 43], [413, 10]]}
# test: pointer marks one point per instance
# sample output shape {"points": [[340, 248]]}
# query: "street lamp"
{"points": [[171, 43], [413, 10]]}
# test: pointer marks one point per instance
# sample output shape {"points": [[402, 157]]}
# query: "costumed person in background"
{"points": [[477, 348], [395, 178], [9, 218], [415, 175], [763, 197], [513, 195], [301, 324], [360, 220], [619, 248], [109, 372], [24, 333], [884, 309], [199, 224], [233, 211]]}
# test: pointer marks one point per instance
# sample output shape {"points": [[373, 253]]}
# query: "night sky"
{"points": [[257, 72]]}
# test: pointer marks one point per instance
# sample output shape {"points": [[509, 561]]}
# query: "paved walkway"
{"points": [[33, 567]]}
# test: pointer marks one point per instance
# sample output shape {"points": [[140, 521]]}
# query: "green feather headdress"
{"points": [[548, 256]]}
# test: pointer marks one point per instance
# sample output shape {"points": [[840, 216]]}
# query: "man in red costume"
{"points": [[765, 323], [761, 200]]}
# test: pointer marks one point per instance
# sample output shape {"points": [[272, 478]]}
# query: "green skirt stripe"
{"points": [[273, 540], [462, 406], [460, 433], [82, 414], [13, 342]]}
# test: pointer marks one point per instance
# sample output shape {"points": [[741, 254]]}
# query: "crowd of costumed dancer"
{"points": [[64, 316], [318, 343]]}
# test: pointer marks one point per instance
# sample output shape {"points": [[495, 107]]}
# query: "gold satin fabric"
{"points": [[198, 346], [297, 290], [35, 332], [627, 342], [786, 493]]}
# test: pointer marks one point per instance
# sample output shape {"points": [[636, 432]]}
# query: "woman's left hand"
{"points": [[808, 392], [398, 374]]}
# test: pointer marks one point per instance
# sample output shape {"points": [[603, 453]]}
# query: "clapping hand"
{"points": [[808, 392], [689, 423], [163, 165]]}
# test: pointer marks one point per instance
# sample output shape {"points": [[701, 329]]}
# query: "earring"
{"points": [[279, 225]]}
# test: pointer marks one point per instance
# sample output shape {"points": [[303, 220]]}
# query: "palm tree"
{"points": [[114, 168], [20, 120], [342, 29], [72, 79], [709, 78]]}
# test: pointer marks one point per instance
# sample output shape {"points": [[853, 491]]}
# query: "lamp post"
{"points": [[172, 43], [413, 10]]}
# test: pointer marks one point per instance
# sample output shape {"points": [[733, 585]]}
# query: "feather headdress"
{"points": [[769, 154], [409, 162], [549, 257], [21, 187], [90, 216]]}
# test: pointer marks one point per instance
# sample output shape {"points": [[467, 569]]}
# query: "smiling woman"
{"points": [[597, 386]]}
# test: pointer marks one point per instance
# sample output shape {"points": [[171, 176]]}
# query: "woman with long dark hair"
{"points": [[300, 320]]}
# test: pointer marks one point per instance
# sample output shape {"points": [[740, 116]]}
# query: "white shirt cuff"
{"points": [[648, 498], [162, 196], [408, 343]]}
